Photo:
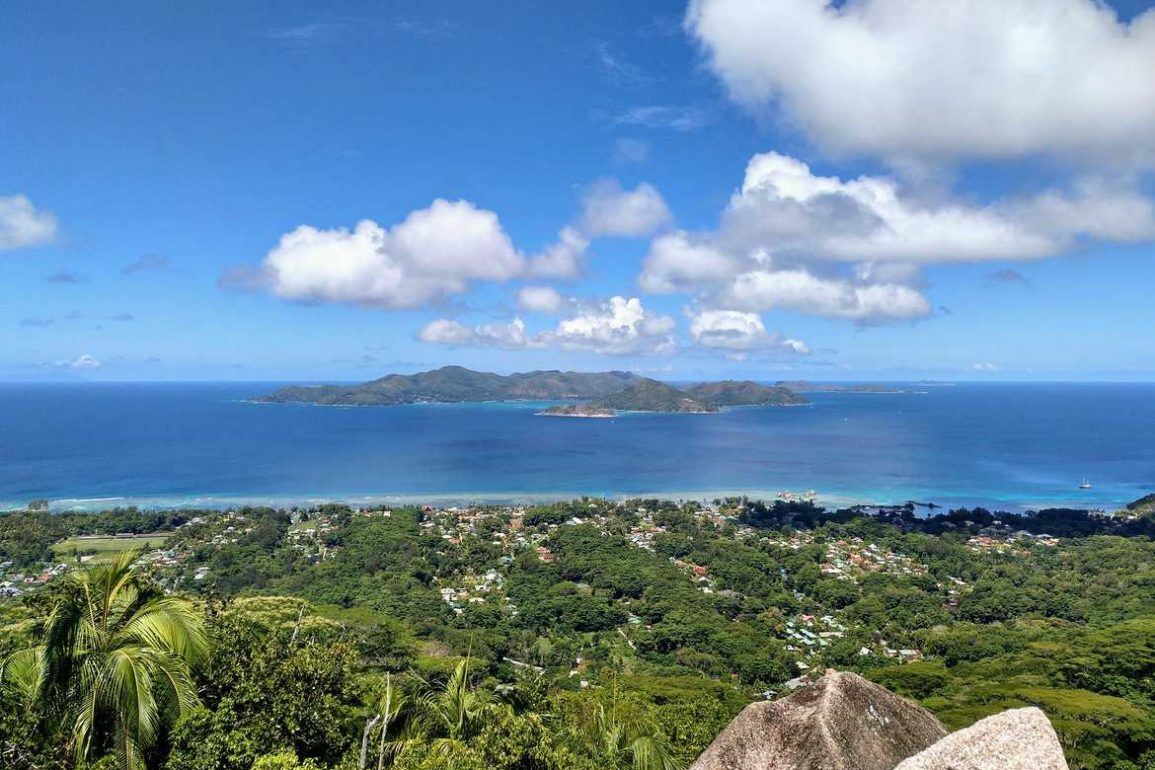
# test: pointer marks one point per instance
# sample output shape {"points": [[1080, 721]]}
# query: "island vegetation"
{"points": [[583, 634], [456, 384], [744, 393], [602, 394], [578, 410]]}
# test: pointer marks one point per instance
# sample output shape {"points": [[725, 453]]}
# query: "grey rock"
{"points": [[839, 722], [1019, 739]]}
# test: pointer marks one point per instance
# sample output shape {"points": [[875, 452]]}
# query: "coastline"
{"points": [[219, 501]]}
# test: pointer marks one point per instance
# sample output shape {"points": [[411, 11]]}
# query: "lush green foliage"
{"points": [[596, 634], [112, 671]]}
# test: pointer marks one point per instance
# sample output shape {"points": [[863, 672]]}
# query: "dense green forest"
{"points": [[583, 634]]}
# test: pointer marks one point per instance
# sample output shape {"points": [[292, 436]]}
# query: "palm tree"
{"points": [[390, 712], [439, 716], [619, 739], [114, 667], [454, 710]]}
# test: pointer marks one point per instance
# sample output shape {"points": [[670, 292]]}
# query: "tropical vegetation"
{"points": [[585, 634]]}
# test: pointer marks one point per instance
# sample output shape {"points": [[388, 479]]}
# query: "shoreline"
{"points": [[832, 501]]}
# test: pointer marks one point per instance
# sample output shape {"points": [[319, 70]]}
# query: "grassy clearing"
{"points": [[104, 549]]}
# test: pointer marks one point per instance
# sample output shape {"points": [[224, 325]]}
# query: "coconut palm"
{"points": [[454, 710], [619, 736], [386, 727], [620, 741], [440, 717], [114, 666]]}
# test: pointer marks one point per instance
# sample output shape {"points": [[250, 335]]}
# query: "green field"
{"points": [[104, 549]]}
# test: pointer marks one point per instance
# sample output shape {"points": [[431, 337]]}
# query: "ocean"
{"points": [[1010, 446]]}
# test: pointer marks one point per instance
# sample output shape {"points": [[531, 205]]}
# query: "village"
{"points": [[180, 563]]}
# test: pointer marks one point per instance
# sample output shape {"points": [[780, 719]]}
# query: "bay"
{"points": [[1001, 445]]}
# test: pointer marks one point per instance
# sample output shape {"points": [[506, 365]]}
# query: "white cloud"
{"points": [[1096, 209], [510, 336], [936, 79], [23, 225], [563, 258], [984, 367], [761, 290], [607, 210], [611, 210], [434, 253], [784, 207], [81, 363], [854, 248], [740, 332], [539, 299], [679, 260], [618, 326]]}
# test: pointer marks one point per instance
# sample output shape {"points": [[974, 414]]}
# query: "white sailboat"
{"points": [[1086, 484]]}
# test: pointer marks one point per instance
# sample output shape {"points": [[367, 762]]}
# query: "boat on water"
{"points": [[1085, 485]]}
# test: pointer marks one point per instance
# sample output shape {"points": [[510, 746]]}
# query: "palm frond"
{"points": [[21, 674]]}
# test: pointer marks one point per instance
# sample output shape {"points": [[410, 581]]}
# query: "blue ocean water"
{"points": [[1008, 445]]}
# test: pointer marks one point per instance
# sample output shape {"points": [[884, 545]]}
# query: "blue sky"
{"points": [[864, 190]]}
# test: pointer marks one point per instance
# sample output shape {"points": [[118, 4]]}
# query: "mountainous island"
{"points": [[601, 394], [456, 384]]}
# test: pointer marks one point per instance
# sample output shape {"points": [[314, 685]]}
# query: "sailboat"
{"points": [[1086, 484]]}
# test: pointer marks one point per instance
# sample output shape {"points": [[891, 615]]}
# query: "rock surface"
{"points": [[1019, 739], [840, 722]]}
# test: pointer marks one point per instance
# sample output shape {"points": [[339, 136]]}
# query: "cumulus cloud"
{"points": [[563, 258], [22, 225], [917, 78], [510, 336], [434, 253], [798, 290], [784, 204], [680, 261], [607, 210], [740, 333], [854, 249], [611, 210], [539, 299], [618, 326]]}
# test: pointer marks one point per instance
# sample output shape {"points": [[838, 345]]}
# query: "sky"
{"points": [[854, 190]]}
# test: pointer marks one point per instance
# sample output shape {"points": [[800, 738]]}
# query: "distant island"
{"points": [[802, 386], [456, 384], [602, 394], [578, 410], [744, 393]]}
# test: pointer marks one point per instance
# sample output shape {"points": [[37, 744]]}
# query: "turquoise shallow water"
{"points": [[1007, 445]]}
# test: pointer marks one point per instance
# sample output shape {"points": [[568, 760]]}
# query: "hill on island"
{"points": [[652, 396], [743, 393], [454, 384], [601, 394]]}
